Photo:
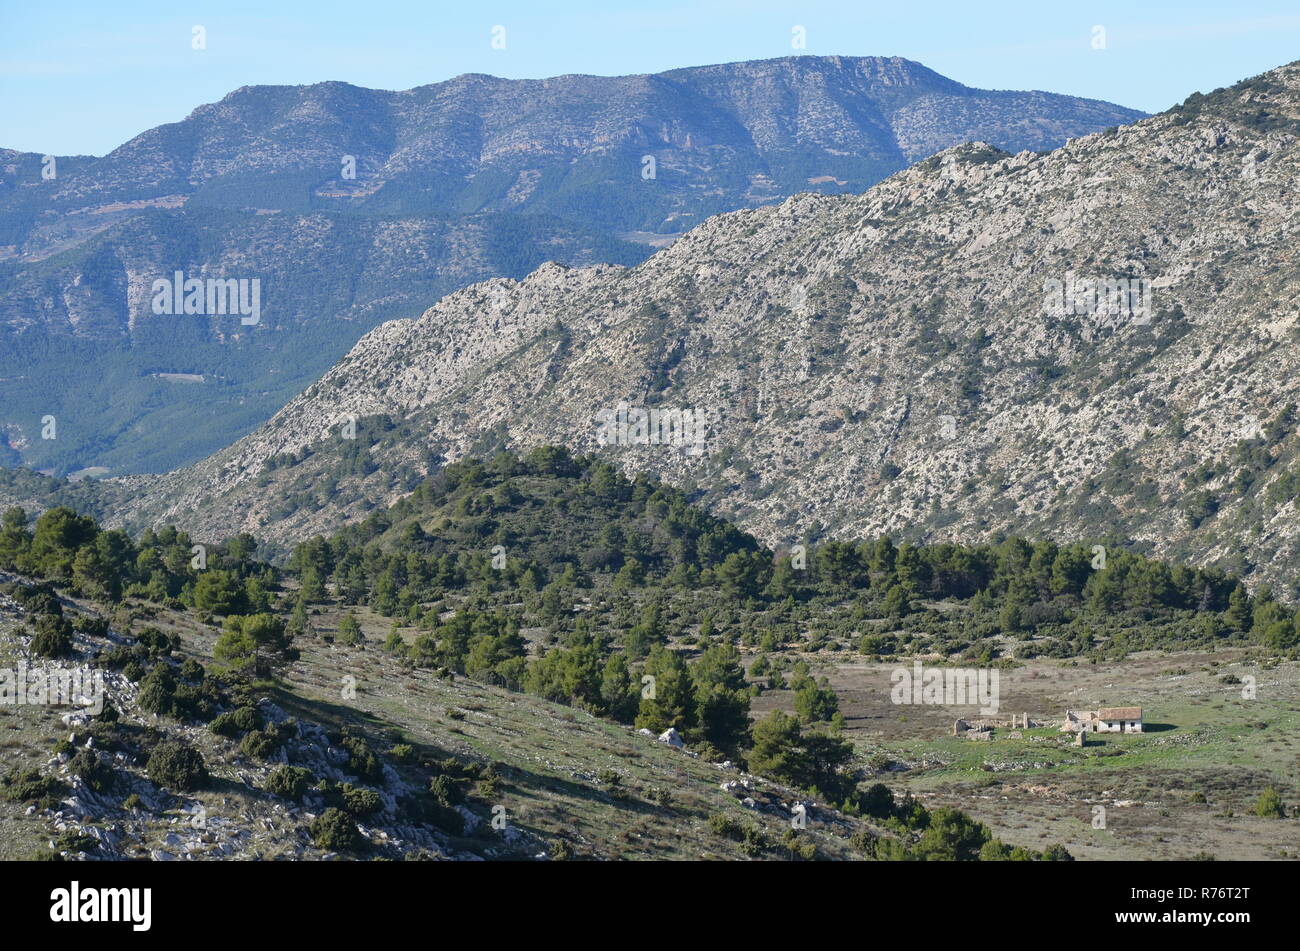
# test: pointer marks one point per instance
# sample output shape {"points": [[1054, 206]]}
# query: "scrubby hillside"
{"points": [[245, 714], [515, 641], [415, 765]]}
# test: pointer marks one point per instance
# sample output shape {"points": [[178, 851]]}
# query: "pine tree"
{"points": [[616, 692]]}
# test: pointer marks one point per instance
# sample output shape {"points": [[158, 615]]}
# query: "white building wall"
{"points": [[1119, 726]]}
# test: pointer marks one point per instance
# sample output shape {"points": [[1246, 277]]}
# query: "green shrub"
{"points": [[133, 670], [36, 599], [178, 767], [333, 831], [261, 744], [445, 791], [224, 725], [236, 722], [807, 851], [362, 761], [94, 626], [1269, 805], [609, 777], [290, 782], [53, 636], [489, 785], [93, 771], [115, 658], [29, 786], [75, 842], [360, 802], [157, 643], [349, 630], [158, 690], [196, 701], [754, 842], [725, 826]]}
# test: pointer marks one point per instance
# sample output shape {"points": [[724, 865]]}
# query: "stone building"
{"points": [[1119, 720], [1104, 720]]}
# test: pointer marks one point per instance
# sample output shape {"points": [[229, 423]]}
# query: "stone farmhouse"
{"points": [[1104, 720]]}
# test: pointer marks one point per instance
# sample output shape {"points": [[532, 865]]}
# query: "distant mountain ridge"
{"points": [[454, 182], [751, 130]]}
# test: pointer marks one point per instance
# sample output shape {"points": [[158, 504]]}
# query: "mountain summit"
{"points": [[722, 137]]}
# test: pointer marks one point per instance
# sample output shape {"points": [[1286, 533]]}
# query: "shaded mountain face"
{"points": [[925, 359], [350, 206], [177, 386]]}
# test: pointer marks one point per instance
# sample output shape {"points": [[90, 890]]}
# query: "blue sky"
{"points": [[84, 76]]}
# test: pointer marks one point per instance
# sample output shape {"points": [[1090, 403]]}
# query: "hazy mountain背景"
{"points": [[883, 363], [352, 206]]}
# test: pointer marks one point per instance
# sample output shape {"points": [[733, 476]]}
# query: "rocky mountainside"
{"points": [[182, 386], [922, 359], [351, 206]]}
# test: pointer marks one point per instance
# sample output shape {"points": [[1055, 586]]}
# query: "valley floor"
{"points": [[1185, 787]]}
